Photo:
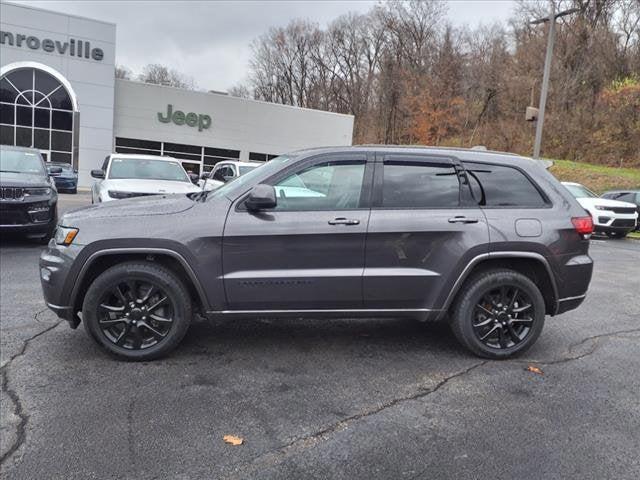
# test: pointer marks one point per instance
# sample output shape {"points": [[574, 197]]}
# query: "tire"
{"points": [[470, 319], [74, 191], [107, 325], [617, 235]]}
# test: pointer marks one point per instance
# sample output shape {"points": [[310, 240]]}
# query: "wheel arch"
{"points": [[531, 264], [99, 261]]}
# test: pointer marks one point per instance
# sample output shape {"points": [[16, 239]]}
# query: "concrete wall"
{"points": [[236, 123], [91, 80]]}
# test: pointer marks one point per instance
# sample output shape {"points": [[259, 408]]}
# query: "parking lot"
{"points": [[323, 398]]}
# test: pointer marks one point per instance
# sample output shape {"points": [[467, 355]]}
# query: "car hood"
{"points": [[149, 186], [134, 207], [9, 179], [587, 202]]}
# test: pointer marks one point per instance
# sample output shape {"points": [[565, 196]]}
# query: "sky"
{"points": [[210, 40]]}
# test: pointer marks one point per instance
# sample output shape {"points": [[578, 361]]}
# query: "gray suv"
{"points": [[489, 242]]}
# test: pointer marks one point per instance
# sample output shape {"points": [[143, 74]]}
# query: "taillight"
{"points": [[583, 225]]}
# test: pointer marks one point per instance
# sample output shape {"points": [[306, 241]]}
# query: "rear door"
{"points": [[308, 252], [423, 229]]}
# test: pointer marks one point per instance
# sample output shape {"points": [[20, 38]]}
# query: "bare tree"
{"points": [[162, 75], [123, 72]]}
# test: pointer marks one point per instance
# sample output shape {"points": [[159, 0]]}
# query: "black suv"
{"points": [[490, 242], [28, 196]]}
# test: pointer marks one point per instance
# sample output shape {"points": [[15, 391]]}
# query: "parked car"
{"points": [[629, 196], [67, 179], [28, 196], [224, 172], [490, 241], [611, 217], [129, 175]]}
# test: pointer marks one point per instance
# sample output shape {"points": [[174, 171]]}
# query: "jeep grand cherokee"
{"points": [[490, 242]]}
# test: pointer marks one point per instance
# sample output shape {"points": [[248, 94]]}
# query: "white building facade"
{"points": [[58, 94]]}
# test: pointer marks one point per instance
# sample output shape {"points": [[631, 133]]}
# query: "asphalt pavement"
{"points": [[356, 399]]}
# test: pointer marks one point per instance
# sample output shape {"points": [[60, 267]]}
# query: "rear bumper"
{"points": [[573, 279], [570, 303]]}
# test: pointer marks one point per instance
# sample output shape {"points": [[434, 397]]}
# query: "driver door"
{"points": [[307, 253]]}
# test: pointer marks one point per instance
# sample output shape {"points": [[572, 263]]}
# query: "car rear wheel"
{"points": [[500, 313], [137, 311]]}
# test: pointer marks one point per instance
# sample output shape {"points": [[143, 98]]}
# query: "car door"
{"points": [[307, 253], [423, 230]]}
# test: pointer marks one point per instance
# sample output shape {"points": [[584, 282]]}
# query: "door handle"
{"points": [[344, 221], [461, 219]]}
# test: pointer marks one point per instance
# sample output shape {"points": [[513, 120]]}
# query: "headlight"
{"points": [[37, 192], [120, 194], [601, 207], [65, 235]]}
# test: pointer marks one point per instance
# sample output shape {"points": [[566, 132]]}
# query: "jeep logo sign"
{"points": [[190, 119]]}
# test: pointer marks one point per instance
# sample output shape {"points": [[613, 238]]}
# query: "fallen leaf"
{"points": [[533, 369], [233, 440]]}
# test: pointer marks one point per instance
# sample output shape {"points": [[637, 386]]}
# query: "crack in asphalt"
{"points": [[302, 443], [307, 441], [18, 409]]}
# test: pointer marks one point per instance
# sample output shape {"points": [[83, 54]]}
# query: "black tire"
{"points": [[104, 325], [468, 309], [617, 235]]}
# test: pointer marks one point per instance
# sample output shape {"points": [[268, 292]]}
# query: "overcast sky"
{"points": [[209, 40]]}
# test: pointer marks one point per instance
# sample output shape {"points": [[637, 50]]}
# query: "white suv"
{"points": [[128, 175], [224, 172], [611, 217]]}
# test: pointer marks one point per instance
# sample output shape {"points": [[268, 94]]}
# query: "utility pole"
{"points": [[553, 16]]}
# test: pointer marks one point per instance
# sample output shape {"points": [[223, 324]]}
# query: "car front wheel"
{"points": [[500, 313], [137, 311]]}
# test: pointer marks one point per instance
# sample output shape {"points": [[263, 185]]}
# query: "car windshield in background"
{"points": [[64, 166], [122, 168], [269, 167], [16, 161], [579, 191], [245, 169]]}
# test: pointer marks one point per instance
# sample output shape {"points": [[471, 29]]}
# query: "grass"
{"points": [[598, 178], [635, 235]]}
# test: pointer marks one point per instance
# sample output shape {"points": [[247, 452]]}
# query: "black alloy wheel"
{"points": [[498, 313], [135, 314], [503, 317], [137, 310]]}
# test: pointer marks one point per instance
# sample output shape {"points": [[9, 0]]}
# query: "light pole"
{"points": [[547, 69]]}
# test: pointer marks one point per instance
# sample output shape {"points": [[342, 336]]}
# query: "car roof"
{"points": [[20, 149], [629, 190], [137, 156], [240, 163], [466, 154]]}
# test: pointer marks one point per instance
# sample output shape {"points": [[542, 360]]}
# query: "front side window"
{"points": [[411, 184], [147, 169], [500, 186], [324, 186]]}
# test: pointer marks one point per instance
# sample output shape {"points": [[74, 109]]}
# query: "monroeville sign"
{"points": [[190, 119], [74, 48]]}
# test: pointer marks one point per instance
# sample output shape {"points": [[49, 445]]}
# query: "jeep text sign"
{"points": [[190, 119]]}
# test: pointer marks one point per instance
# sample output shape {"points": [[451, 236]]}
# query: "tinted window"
{"points": [[325, 186], [419, 185], [499, 186]]}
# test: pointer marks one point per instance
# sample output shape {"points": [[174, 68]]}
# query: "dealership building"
{"points": [[58, 93]]}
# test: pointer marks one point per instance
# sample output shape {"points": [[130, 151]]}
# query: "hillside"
{"points": [[598, 178]]}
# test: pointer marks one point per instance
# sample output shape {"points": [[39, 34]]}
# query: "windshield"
{"points": [[246, 169], [64, 166], [265, 170], [16, 161], [580, 191], [147, 169]]}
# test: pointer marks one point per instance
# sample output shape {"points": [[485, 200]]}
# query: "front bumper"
{"points": [[66, 183], [55, 266], [608, 221], [33, 216]]}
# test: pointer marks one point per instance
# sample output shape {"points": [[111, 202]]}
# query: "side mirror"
{"points": [[261, 197], [97, 173], [194, 177], [55, 170]]}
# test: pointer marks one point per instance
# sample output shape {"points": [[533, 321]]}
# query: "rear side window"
{"points": [[408, 184], [500, 186]]}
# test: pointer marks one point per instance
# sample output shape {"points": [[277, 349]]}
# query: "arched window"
{"points": [[37, 110]]}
